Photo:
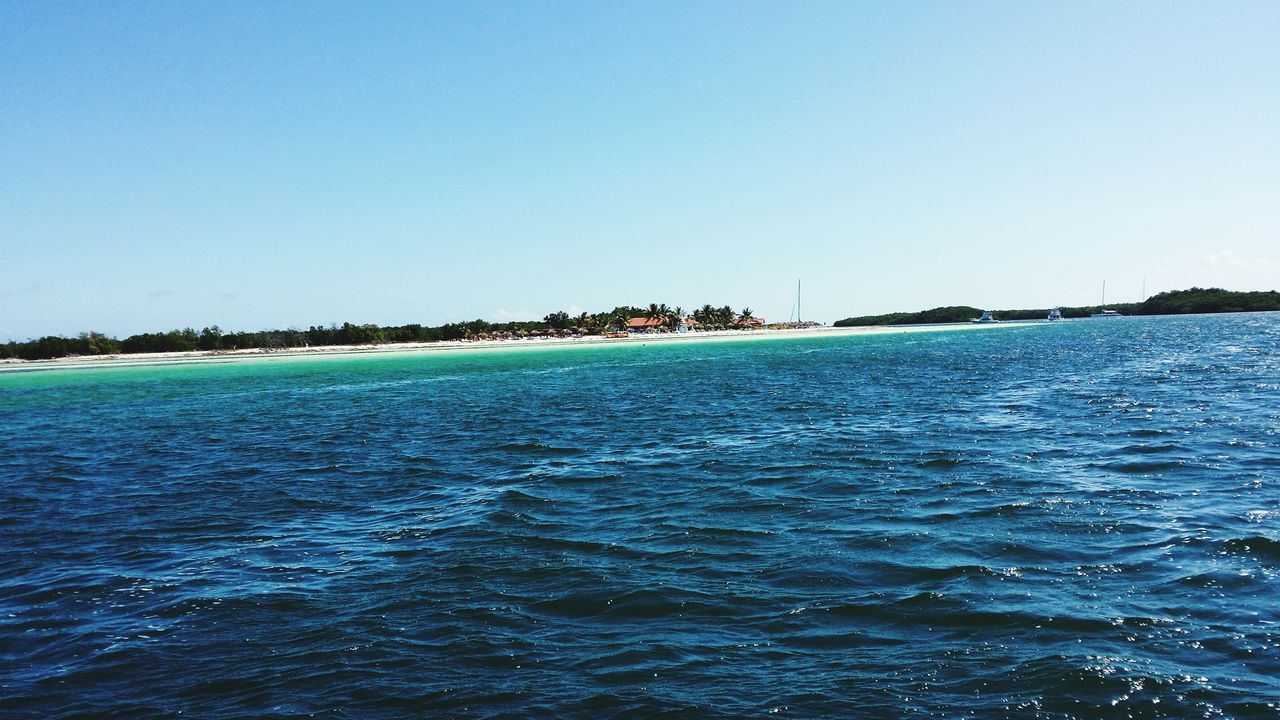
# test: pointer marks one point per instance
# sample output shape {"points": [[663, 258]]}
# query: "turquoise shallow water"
{"points": [[1073, 520]]}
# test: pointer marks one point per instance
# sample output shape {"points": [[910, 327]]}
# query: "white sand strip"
{"points": [[222, 356]]}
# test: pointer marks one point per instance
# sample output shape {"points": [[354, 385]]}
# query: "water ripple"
{"points": [[1069, 521]]}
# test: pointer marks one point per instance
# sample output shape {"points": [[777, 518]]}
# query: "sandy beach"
{"points": [[224, 356]]}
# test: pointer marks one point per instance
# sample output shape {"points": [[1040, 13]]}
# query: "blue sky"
{"points": [[261, 165]]}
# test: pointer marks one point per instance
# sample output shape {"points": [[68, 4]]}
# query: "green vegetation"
{"points": [[214, 339], [1174, 302], [1212, 300], [955, 313], [718, 318], [90, 343]]}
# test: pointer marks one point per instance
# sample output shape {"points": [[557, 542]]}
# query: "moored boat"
{"points": [[1103, 312]]}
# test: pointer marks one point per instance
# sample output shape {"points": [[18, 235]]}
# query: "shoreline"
{"points": [[85, 362]]}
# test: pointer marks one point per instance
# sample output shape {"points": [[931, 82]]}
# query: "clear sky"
{"points": [[270, 164]]}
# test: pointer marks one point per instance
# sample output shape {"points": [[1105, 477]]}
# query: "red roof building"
{"points": [[645, 323]]}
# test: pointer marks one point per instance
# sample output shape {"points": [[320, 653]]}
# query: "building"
{"points": [[641, 324]]}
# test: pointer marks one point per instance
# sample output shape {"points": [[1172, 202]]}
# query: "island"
{"points": [[622, 321], [1174, 302]]}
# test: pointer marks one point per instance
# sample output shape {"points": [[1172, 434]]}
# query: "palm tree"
{"points": [[677, 317], [664, 314], [746, 313], [725, 316]]}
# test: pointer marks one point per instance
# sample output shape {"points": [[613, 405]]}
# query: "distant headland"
{"points": [[1173, 302]]}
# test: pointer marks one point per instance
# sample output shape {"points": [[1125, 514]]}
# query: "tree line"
{"points": [[213, 338], [1173, 302]]}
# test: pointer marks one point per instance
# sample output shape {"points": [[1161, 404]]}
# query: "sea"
{"points": [[1055, 520]]}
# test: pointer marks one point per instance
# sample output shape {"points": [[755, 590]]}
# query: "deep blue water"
{"points": [[1070, 520]]}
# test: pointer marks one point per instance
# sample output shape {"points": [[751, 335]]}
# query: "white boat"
{"points": [[1103, 312], [1055, 314], [986, 318]]}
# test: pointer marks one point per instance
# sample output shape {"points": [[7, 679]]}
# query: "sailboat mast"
{"points": [[797, 300], [1104, 294]]}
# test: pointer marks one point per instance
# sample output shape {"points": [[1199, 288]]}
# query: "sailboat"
{"points": [[1103, 312], [798, 321], [795, 320]]}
